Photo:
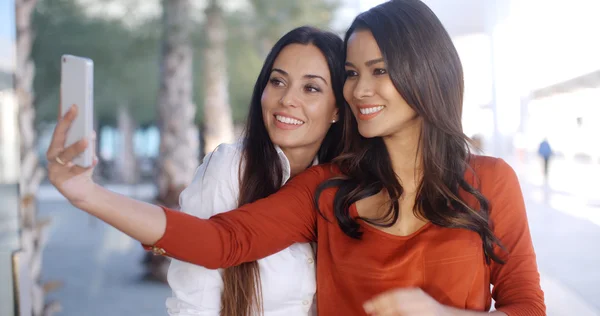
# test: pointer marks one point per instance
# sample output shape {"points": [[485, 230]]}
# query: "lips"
{"points": [[369, 111], [287, 122]]}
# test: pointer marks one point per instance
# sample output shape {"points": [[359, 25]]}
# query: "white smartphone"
{"points": [[77, 87]]}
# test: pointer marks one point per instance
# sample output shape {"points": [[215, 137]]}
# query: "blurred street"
{"points": [[101, 268], [564, 217]]}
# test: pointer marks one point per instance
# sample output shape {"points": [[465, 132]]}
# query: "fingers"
{"points": [[60, 133], [77, 170], [73, 151], [395, 302], [58, 172], [383, 304]]}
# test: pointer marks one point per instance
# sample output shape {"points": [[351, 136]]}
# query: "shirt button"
{"points": [[310, 261], [158, 251]]}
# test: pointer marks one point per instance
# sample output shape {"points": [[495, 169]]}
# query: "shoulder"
{"points": [[217, 176], [489, 168], [317, 174], [493, 176], [225, 158], [308, 181]]}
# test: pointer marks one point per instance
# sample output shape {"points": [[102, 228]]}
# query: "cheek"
{"points": [[392, 96], [268, 100], [348, 90], [320, 115], [387, 90], [267, 117]]}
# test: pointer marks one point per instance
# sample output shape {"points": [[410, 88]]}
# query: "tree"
{"points": [[32, 228], [179, 148], [176, 111], [218, 123], [125, 59], [275, 18]]}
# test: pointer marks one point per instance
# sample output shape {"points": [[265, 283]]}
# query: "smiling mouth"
{"points": [[288, 120], [371, 110]]}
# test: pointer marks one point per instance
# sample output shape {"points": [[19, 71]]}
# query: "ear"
{"points": [[336, 116]]}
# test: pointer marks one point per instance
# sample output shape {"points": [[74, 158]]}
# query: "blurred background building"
{"points": [[532, 72]]}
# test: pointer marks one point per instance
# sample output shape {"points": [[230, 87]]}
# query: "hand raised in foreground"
{"points": [[405, 302], [72, 181]]}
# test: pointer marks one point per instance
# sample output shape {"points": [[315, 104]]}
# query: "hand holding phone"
{"points": [[76, 88]]}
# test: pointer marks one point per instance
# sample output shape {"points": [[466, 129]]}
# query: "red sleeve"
{"points": [[249, 233], [516, 283]]}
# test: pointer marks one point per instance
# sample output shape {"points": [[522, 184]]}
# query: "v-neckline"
{"points": [[354, 214]]}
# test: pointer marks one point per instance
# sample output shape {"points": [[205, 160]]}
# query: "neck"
{"points": [[405, 156], [300, 158]]}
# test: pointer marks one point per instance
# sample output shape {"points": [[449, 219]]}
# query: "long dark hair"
{"points": [[425, 68], [242, 294]]}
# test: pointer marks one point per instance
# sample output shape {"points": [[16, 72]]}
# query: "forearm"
{"points": [[142, 221]]}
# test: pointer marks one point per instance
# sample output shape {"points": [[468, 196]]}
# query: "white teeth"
{"points": [[371, 110], [288, 120]]}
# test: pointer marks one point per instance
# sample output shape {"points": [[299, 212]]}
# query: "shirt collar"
{"points": [[285, 163]]}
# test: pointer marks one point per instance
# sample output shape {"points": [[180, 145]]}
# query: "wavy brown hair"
{"points": [[261, 170], [425, 68]]}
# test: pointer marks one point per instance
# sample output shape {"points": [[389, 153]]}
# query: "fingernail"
{"points": [[368, 307]]}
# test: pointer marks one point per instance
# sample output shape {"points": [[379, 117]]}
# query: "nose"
{"points": [[289, 99], [363, 88]]}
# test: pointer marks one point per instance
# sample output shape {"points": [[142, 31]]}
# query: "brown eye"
{"points": [[276, 82], [379, 71], [351, 73], [310, 88]]}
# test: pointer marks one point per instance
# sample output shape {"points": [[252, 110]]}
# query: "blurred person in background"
{"points": [[408, 221], [545, 152]]}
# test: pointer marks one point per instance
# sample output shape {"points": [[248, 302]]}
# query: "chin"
{"points": [[284, 141], [368, 132]]}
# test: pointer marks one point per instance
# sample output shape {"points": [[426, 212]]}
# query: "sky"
{"points": [[367, 4], [7, 31]]}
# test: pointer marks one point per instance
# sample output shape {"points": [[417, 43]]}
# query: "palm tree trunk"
{"points": [[218, 123], [179, 142], [33, 230], [178, 157], [126, 161]]}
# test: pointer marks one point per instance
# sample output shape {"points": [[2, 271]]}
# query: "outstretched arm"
{"points": [[142, 221], [249, 233]]}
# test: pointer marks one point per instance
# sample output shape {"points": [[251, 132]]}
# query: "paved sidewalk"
{"points": [[99, 266]]}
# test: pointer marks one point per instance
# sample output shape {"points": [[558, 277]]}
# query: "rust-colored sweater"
{"points": [[448, 264]]}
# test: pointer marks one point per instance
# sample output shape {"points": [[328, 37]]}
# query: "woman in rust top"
{"points": [[407, 221]]}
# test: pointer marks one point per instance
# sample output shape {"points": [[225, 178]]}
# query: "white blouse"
{"points": [[287, 277]]}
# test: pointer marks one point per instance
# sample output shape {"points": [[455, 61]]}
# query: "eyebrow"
{"points": [[309, 76], [368, 63]]}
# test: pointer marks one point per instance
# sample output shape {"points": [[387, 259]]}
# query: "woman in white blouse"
{"points": [[296, 119]]}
